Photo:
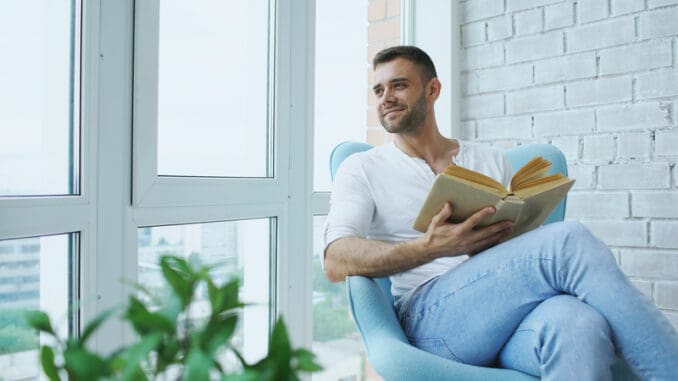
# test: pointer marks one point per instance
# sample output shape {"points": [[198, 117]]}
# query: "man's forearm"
{"points": [[359, 256]]}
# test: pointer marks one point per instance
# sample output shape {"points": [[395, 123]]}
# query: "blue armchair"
{"points": [[371, 303]]}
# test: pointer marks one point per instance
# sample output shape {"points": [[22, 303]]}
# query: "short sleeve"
{"points": [[351, 203]]}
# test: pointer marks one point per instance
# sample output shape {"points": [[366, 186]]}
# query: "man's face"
{"points": [[401, 96]]}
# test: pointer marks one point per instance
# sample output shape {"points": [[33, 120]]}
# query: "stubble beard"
{"points": [[410, 122]]}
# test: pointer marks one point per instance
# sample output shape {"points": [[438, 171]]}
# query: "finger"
{"points": [[489, 241], [442, 216], [477, 217]]}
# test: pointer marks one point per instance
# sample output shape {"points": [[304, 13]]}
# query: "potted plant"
{"points": [[170, 345]]}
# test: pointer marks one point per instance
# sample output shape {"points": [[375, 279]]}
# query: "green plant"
{"points": [[170, 343]]}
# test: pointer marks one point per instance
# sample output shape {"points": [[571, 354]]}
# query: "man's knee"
{"points": [[575, 320]]}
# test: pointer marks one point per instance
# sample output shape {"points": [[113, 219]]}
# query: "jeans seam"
{"points": [[450, 294]]}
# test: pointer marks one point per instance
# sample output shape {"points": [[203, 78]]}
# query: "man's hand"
{"points": [[444, 239]]}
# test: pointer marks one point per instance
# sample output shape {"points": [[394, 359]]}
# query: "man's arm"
{"points": [[360, 256]]}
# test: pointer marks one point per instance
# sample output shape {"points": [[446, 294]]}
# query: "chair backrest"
{"points": [[518, 156]]}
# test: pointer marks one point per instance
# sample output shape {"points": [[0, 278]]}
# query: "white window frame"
{"points": [[111, 206]]}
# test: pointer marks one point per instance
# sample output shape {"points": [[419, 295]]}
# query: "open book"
{"points": [[529, 200]]}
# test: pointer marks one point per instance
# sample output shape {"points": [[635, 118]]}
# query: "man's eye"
{"points": [[399, 86], [378, 92]]}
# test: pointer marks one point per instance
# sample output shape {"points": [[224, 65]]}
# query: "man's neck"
{"points": [[429, 145]]}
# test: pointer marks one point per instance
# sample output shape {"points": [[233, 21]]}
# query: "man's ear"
{"points": [[433, 89]]}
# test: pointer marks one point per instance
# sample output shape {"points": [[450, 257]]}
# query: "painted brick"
{"points": [[636, 57], [386, 30], [643, 286], [599, 91], [598, 148], [597, 205], [658, 23], [674, 172], [622, 7], [483, 56], [480, 9], [558, 16], [505, 78], [473, 33], [505, 128], [659, 83], [569, 145], [660, 3], [517, 5], [468, 130], [536, 99], [482, 106], [601, 35], [564, 68], [376, 10], [632, 117], [652, 264], [499, 28], [666, 295], [634, 146], [528, 22], [619, 233], [584, 175], [469, 83], [532, 48], [666, 143], [564, 123], [664, 234], [592, 10], [635, 176], [393, 8], [662, 204]]}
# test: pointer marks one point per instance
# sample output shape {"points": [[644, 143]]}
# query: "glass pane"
{"points": [[38, 97], [235, 249], [34, 274], [213, 88], [336, 342], [340, 80]]}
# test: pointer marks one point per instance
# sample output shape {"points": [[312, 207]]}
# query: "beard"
{"points": [[410, 121]]}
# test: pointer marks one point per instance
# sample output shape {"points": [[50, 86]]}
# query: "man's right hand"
{"points": [[444, 239]]}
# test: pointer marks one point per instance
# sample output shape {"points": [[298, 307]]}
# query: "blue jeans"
{"points": [[552, 303]]}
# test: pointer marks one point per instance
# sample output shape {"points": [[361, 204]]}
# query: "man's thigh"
{"points": [[468, 313]]}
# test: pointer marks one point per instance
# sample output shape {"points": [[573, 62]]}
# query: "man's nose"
{"points": [[388, 96]]}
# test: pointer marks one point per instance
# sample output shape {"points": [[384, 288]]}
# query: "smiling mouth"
{"points": [[392, 110]]}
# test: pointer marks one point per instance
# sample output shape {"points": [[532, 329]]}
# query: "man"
{"points": [[551, 302]]}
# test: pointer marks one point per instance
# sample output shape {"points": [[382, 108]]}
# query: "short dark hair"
{"points": [[411, 53]]}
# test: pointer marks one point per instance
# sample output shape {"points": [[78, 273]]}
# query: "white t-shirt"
{"points": [[377, 195]]}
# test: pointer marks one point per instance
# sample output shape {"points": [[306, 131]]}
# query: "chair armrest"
{"points": [[391, 354]]}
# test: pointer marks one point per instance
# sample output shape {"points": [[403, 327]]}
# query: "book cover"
{"points": [[528, 201]]}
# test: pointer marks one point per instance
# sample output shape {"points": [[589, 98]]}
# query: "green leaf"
{"points": [[48, 365], [93, 325], [198, 366], [179, 280], [145, 321], [246, 375], [84, 365], [218, 332], [40, 321], [306, 361], [137, 353]]}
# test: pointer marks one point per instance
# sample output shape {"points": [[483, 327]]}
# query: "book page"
{"points": [[534, 169], [475, 177]]}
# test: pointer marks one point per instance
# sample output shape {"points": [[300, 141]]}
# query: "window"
{"points": [[234, 249], [39, 98], [35, 273], [213, 89]]}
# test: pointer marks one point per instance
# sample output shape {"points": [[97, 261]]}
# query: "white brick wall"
{"points": [[598, 79]]}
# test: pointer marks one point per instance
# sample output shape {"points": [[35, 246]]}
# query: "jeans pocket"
{"points": [[436, 346]]}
